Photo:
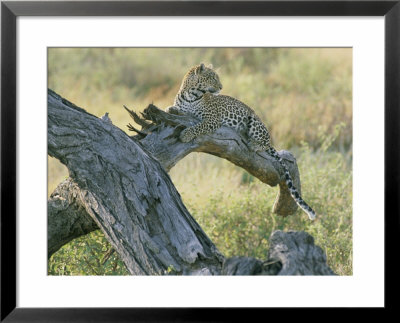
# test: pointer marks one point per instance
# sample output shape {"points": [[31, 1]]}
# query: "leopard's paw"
{"points": [[173, 110], [186, 136]]}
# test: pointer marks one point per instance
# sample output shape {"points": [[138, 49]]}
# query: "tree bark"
{"points": [[119, 184]]}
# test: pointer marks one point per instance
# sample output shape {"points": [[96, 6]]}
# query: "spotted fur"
{"points": [[199, 96]]}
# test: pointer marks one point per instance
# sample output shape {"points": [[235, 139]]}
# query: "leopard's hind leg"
{"points": [[260, 141]]}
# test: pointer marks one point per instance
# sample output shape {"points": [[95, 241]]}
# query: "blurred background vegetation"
{"points": [[304, 95]]}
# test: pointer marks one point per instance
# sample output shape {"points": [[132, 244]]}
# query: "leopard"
{"points": [[199, 96]]}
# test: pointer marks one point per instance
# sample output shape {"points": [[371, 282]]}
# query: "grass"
{"points": [[303, 95]]}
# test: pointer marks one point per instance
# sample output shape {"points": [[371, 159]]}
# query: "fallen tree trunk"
{"points": [[118, 186]]}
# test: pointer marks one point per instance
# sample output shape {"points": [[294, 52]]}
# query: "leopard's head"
{"points": [[201, 78]]}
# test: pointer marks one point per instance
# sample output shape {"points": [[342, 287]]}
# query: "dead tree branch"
{"points": [[159, 136]]}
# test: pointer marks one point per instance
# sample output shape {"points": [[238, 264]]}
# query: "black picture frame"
{"points": [[9, 13]]}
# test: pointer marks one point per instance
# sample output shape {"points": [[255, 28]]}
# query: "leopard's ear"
{"points": [[210, 66], [199, 69]]}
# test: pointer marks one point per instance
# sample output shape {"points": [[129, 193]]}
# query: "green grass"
{"points": [[87, 255], [303, 95]]}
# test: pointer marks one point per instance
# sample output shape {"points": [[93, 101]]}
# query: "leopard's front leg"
{"points": [[203, 127]]}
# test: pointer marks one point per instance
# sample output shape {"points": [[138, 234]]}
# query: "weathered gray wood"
{"points": [[126, 192], [298, 254], [237, 266], [162, 143], [67, 217]]}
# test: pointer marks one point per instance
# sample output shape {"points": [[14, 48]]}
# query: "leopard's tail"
{"points": [[289, 182]]}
